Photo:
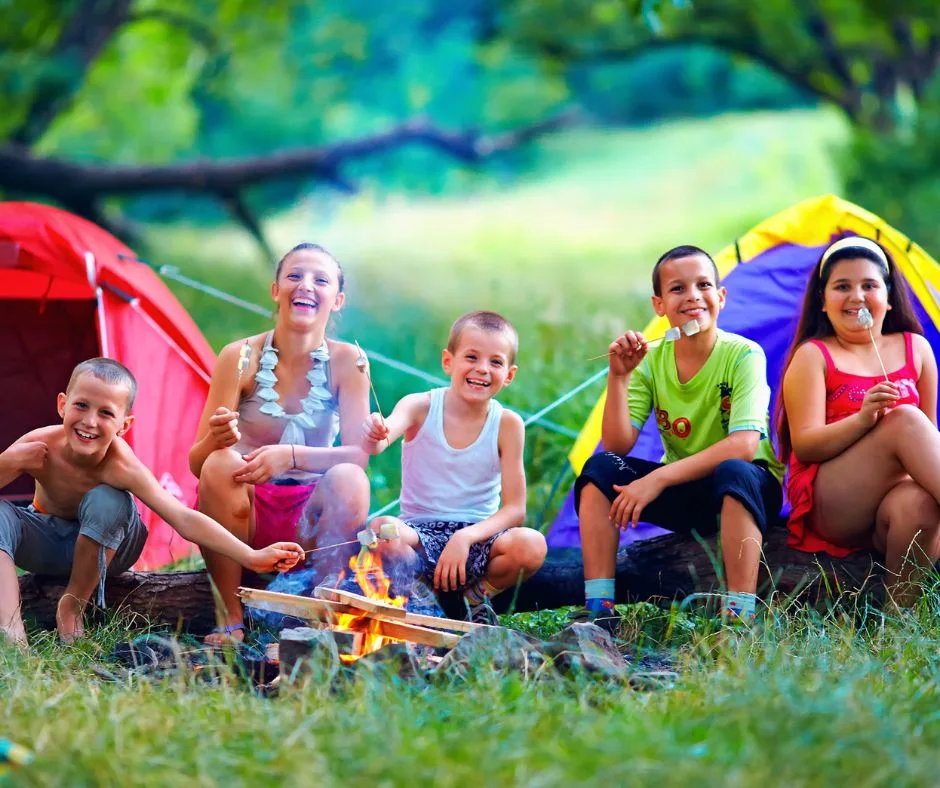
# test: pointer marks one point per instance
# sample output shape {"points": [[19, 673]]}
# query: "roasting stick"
{"points": [[866, 321], [672, 334]]}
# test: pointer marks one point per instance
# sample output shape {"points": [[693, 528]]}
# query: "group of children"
{"points": [[862, 448]]}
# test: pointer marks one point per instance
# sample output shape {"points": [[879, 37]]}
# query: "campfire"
{"points": [[374, 618]]}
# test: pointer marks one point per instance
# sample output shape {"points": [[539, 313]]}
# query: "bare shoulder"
{"points": [[229, 353], [921, 345], [343, 357], [121, 459], [48, 435], [511, 424], [808, 356]]}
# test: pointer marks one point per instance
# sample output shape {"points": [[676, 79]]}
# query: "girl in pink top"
{"points": [[266, 454], [863, 452]]}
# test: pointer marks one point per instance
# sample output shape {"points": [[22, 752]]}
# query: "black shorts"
{"points": [[690, 506]]}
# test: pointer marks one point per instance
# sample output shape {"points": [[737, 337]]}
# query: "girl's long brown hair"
{"points": [[814, 323]]}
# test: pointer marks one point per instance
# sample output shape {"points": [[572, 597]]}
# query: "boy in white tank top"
{"points": [[463, 500]]}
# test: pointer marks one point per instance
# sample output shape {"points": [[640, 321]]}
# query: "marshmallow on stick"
{"points": [[673, 333], [244, 359], [865, 320], [363, 366]]}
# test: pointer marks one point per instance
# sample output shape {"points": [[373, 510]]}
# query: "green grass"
{"points": [[565, 253], [808, 700]]}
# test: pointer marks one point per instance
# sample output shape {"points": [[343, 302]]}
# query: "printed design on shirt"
{"points": [[725, 389], [907, 389], [680, 427]]}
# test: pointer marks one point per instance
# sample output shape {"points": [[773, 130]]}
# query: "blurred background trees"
{"points": [[159, 82]]}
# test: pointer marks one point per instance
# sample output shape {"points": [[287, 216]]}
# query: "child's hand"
{"points": [[625, 353], [277, 557], [223, 427], [879, 399], [30, 456], [633, 499], [265, 463], [451, 571], [374, 429]]}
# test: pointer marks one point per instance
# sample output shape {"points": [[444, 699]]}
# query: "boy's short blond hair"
{"points": [[491, 322], [108, 371]]}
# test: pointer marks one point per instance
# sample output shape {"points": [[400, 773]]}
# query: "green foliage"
{"points": [[896, 173], [858, 55]]}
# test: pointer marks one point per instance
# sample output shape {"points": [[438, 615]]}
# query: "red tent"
{"points": [[70, 291]]}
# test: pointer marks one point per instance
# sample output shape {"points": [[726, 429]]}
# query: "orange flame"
{"points": [[367, 569]]}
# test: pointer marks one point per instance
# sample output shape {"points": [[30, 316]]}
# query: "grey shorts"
{"points": [[45, 544]]}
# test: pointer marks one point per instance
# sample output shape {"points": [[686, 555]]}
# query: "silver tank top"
{"points": [[264, 422]]}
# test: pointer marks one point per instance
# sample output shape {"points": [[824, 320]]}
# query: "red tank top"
{"points": [[844, 394], [845, 391]]}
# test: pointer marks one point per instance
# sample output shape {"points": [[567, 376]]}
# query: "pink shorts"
{"points": [[278, 509]]}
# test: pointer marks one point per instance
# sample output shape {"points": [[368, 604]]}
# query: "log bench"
{"points": [[658, 570]]}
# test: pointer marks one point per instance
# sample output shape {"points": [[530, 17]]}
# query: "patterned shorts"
{"points": [[435, 535]]}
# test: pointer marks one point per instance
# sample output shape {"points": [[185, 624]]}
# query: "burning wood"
{"points": [[377, 617]]}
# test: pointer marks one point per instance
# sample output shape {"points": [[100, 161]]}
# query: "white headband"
{"points": [[855, 242]]}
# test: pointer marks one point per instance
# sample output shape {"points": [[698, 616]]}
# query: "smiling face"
{"points": [[93, 413], [307, 289], [854, 283], [689, 292], [480, 364]]}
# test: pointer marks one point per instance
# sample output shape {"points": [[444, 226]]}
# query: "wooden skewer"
{"points": [[877, 353], [363, 368]]}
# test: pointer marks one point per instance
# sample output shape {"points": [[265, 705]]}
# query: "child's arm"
{"points": [[406, 417], [128, 473], [804, 397], [218, 425], [927, 380], [25, 455], [618, 430], [451, 571]]}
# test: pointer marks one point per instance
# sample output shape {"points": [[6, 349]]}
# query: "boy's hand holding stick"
{"points": [[672, 334]]}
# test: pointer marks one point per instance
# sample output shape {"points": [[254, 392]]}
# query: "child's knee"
{"points": [[218, 470], [346, 484], [526, 548]]}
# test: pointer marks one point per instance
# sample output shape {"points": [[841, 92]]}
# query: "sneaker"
{"points": [[607, 619], [483, 614]]}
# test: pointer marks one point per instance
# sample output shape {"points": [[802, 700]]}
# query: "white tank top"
{"points": [[439, 482]]}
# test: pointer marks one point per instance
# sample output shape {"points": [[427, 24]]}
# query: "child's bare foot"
{"points": [[68, 618], [16, 635], [222, 636]]}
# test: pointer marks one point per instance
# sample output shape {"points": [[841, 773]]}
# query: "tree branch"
{"points": [[89, 29], [242, 212], [80, 186]]}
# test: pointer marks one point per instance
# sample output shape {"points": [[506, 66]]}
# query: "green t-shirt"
{"points": [[729, 393]]}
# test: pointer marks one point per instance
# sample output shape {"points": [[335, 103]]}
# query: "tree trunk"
{"points": [[658, 570]]}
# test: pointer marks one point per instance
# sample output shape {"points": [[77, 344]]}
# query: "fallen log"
{"points": [[658, 570]]}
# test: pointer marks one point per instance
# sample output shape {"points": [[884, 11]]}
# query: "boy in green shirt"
{"points": [[719, 473]]}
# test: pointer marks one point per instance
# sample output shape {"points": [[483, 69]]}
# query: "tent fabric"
{"points": [[70, 291], [765, 272]]}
